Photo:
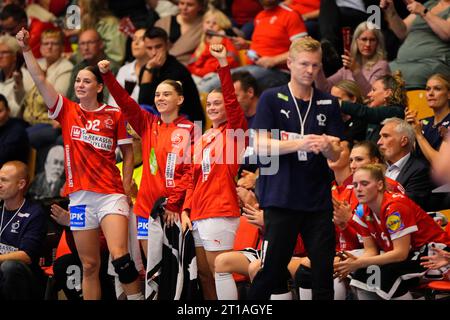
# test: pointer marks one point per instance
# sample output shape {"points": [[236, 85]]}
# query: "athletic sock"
{"points": [[225, 286], [305, 294], [136, 296], [281, 296], [340, 290]]}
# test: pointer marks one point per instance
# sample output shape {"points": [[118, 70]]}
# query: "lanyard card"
{"points": [[302, 155]]}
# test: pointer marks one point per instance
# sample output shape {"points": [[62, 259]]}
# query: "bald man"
{"points": [[23, 227]]}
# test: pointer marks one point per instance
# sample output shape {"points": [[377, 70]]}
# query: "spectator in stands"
{"points": [[184, 29], [44, 131], [141, 12], [396, 143], [425, 34], [386, 99], [128, 74], [247, 93], [309, 10], [24, 227], [97, 196], [215, 219], [364, 63], [91, 48], [14, 144], [348, 90], [432, 130], [43, 15], [49, 182], [396, 233], [12, 19], [11, 84], [275, 28], [243, 13], [163, 66], [96, 15], [202, 65]]}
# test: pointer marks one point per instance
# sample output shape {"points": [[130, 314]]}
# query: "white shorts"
{"points": [[87, 209], [215, 234]]}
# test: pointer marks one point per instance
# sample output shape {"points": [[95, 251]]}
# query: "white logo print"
{"points": [[15, 226], [321, 118], [285, 112]]}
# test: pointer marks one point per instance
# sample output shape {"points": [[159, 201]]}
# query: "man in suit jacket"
{"points": [[396, 143]]}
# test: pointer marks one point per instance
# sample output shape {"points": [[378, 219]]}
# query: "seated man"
{"points": [[396, 143], [23, 230]]}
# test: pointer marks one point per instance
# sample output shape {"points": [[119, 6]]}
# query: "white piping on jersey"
{"points": [[58, 107], [403, 232]]}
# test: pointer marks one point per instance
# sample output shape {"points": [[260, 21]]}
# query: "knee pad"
{"points": [[303, 277], [125, 269]]}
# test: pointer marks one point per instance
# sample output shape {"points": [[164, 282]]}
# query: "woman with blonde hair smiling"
{"points": [[364, 63]]}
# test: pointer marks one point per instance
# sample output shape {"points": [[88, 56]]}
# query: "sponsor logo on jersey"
{"points": [[176, 139], [15, 226], [323, 102], [282, 96], [285, 112], [394, 222], [109, 122], [97, 141], [321, 118], [142, 227], [153, 162], [78, 216], [23, 215]]}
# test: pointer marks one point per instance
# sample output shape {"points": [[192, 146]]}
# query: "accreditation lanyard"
{"points": [[302, 155], [2, 228]]}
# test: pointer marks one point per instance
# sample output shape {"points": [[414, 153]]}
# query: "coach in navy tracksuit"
{"points": [[304, 132], [23, 227]]}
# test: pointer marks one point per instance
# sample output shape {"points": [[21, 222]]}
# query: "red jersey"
{"points": [[244, 11], [275, 29], [346, 239], [165, 146], [305, 6], [206, 63], [213, 186], [90, 141], [400, 216]]}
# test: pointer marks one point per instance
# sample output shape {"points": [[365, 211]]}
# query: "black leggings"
{"points": [[281, 229]]}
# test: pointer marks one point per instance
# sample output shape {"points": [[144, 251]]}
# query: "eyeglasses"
{"points": [[87, 43], [370, 40]]}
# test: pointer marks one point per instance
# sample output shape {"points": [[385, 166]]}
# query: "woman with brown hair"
{"points": [[185, 29], [386, 99]]}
